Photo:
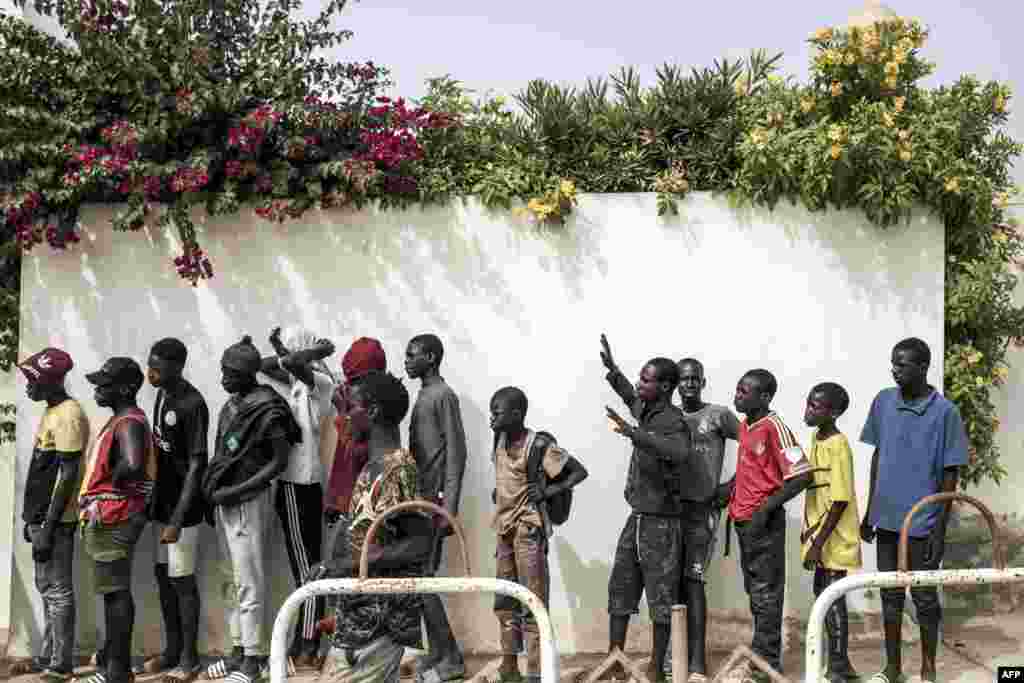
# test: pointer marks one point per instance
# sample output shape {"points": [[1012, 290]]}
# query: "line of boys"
{"points": [[665, 555]]}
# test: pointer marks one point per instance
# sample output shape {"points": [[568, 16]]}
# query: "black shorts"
{"points": [[698, 531], [648, 560]]}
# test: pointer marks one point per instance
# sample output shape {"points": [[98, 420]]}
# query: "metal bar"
{"points": [[680, 656], [285, 620], [408, 506], [998, 548], [814, 653]]}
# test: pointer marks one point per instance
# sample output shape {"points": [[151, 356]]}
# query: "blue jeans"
{"points": [[55, 583]]}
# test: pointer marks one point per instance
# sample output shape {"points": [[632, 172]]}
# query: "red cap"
{"points": [[365, 354], [49, 366]]}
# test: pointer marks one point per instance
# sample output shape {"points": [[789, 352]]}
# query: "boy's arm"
{"points": [[298, 363], [790, 489], [620, 384], [835, 512], [277, 464], [867, 532], [796, 473], [456, 452], [575, 473]]}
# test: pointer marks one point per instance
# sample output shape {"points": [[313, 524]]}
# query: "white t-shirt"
{"points": [[309, 406]]}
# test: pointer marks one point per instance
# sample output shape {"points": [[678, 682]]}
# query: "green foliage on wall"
{"points": [[164, 105]]}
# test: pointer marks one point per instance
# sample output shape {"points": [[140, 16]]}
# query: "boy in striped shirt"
{"points": [[770, 469]]}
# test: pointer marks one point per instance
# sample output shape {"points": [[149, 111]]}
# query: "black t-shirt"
{"points": [[180, 425]]}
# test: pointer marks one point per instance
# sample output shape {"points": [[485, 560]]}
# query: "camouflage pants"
{"points": [[648, 559], [522, 557]]}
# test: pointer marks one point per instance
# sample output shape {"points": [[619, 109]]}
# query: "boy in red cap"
{"points": [[365, 356], [50, 508]]}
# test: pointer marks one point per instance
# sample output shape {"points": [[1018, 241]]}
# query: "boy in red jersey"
{"points": [[771, 468]]}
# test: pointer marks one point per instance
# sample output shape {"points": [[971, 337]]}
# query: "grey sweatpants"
{"points": [[242, 531]]}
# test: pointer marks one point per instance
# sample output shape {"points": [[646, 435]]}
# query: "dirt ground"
{"points": [[970, 654]]}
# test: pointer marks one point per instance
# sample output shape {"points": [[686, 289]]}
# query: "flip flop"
{"points": [[53, 676], [882, 677], [219, 669], [697, 678], [98, 677]]}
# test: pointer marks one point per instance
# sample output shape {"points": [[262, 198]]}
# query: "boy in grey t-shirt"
{"points": [[710, 425]]}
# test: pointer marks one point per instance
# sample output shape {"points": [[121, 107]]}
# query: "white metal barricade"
{"points": [[285, 620]]}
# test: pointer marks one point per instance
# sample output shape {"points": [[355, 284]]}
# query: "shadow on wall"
{"points": [[513, 306]]}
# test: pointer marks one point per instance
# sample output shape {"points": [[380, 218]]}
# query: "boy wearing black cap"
{"points": [[50, 508], [116, 492], [255, 433]]}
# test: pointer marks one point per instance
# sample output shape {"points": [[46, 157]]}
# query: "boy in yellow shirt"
{"points": [[831, 529]]}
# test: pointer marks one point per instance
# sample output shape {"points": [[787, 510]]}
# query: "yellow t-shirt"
{"points": [[832, 461], [64, 428]]}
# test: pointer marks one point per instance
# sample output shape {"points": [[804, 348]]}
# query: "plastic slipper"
{"points": [[219, 669]]}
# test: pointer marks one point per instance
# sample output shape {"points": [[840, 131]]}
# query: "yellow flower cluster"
{"points": [[760, 137], [953, 185], [554, 206], [888, 42], [673, 181], [837, 135], [904, 145], [807, 104]]}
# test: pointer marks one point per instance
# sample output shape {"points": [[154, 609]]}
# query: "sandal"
{"points": [[24, 667], [154, 665], [434, 675], [179, 675], [54, 676], [98, 677]]}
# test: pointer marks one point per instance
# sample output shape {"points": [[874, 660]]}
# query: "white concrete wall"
{"points": [[812, 297]]}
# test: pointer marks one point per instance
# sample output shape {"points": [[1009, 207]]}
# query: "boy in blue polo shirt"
{"points": [[920, 445]]}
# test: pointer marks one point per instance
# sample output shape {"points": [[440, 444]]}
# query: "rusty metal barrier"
{"points": [[998, 548], [814, 653], [408, 506], [286, 616]]}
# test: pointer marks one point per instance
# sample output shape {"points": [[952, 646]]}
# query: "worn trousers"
{"points": [[378, 662], [242, 532], [55, 583], [300, 508], [522, 557], [837, 622], [926, 598], [763, 561]]}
